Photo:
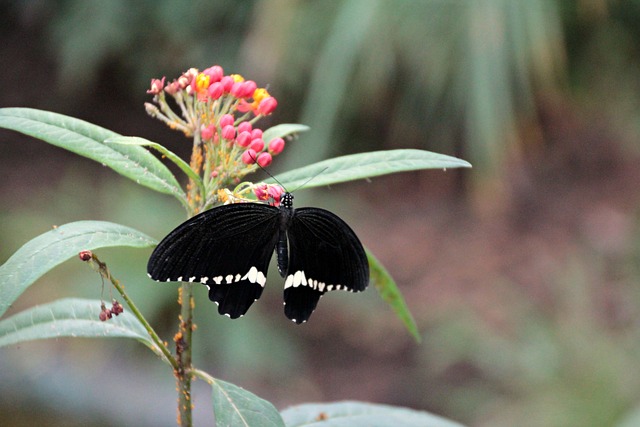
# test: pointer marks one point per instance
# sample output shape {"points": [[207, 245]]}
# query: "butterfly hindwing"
{"points": [[324, 255], [227, 248]]}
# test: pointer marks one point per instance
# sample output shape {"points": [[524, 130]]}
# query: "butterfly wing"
{"points": [[226, 248], [324, 255]]}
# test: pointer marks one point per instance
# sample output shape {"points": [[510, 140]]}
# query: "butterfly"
{"points": [[228, 249]]}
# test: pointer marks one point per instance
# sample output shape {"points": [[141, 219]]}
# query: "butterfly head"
{"points": [[287, 200]]}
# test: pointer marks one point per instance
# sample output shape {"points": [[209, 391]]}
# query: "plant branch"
{"points": [[183, 339], [104, 271]]}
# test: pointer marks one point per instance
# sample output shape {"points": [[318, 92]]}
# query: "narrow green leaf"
{"points": [[87, 139], [349, 413], [366, 165], [71, 317], [184, 166], [234, 406], [282, 130], [389, 292], [48, 250]]}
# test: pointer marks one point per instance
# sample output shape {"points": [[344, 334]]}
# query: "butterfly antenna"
{"points": [[267, 172], [276, 179], [312, 178]]}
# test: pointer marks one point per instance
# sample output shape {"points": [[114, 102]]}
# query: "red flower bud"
{"points": [[237, 90], [257, 145], [227, 82], [215, 73], [256, 133], [248, 87], [244, 126], [85, 255], [226, 120], [264, 159], [243, 139], [249, 157], [215, 90], [207, 132], [276, 145], [228, 132], [267, 106]]}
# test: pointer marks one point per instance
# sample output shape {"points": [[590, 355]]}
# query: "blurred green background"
{"points": [[523, 273]]}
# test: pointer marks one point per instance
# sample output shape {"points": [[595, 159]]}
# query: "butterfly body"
{"points": [[228, 249]]}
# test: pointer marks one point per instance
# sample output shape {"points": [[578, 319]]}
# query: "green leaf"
{"points": [[87, 139], [184, 166], [351, 414], [282, 130], [366, 165], [71, 317], [389, 292], [48, 250], [234, 406]]}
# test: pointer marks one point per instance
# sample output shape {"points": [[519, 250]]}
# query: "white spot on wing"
{"points": [[262, 279], [289, 282], [229, 278]]}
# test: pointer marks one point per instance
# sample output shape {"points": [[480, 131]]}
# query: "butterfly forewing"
{"points": [[324, 255], [227, 248]]}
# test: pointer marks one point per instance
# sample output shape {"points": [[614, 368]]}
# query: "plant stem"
{"points": [[104, 271], [183, 353]]}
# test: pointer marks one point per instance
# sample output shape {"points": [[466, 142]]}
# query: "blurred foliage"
{"points": [[472, 78]]}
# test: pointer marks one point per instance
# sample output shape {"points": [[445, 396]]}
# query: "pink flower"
{"points": [[244, 126], [228, 132], [215, 90], [226, 120], [156, 86], [172, 88], [249, 157], [264, 159], [187, 77], [276, 145], [243, 139], [267, 106], [257, 145], [207, 132], [243, 106], [261, 192], [215, 73], [275, 192]]}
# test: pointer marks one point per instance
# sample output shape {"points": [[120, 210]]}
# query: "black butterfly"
{"points": [[228, 249]]}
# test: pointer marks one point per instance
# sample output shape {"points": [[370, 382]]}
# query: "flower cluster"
{"points": [[220, 113]]}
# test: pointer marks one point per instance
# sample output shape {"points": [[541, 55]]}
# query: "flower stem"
{"points": [[104, 271]]}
